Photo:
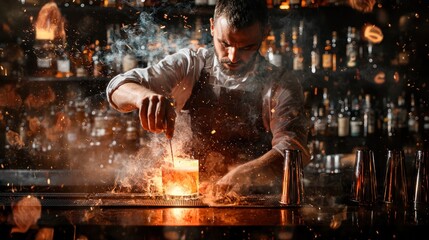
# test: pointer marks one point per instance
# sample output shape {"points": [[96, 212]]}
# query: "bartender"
{"points": [[244, 111]]}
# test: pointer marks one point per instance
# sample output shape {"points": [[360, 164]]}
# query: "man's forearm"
{"points": [[126, 96], [272, 159]]}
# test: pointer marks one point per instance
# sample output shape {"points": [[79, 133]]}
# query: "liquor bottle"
{"points": [[315, 55], [356, 119], [286, 52], [110, 3], [334, 51], [294, 4], [110, 58], [97, 61], [298, 56], [325, 98], [313, 119], [368, 117], [273, 54], [321, 124], [402, 116], [424, 107], [45, 58], [63, 62], [390, 118], [211, 2], [5, 68], [132, 142], [334, 2], [327, 56], [343, 119], [332, 119], [351, 48], [200, 2], [87, 53], [414, 133], [98, 3], [77, 61], [73, 131], [129, 61], [413, 117]]}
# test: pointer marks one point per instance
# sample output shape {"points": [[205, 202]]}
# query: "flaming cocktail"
{"points": [[181, 178]]}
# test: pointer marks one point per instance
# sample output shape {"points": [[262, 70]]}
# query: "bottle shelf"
{"points": [[11, 79]]}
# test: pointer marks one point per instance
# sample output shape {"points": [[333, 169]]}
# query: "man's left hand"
{"points": [[250, 178]]}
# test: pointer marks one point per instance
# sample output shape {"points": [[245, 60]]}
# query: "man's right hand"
{"points": [[156, 113]]}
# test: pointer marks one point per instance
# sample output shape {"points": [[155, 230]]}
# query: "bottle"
{"points": [[402, 116], [413, 117], [298, 57], [424, 107], [5, 68], [334, 2], [97, 61], [63, 62], [390, 118], [73, 131], [356, 119], [414, 134], [110, 58], [110, 3], [315, 55], [3, 140], [351, 48], [98, 3], [211, 2], [313, 119], [286, 52], [87, 53], [129, 61], [200, 2], [334, 51], [327, 56], [295, 4], [77, 61], [368, 117], [343, 119], [132, 141], [321, 124], [45, 58], [332, 119], [273, 54]]}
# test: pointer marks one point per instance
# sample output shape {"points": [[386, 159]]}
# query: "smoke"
{"points": [[152, 37], [142, 171]]}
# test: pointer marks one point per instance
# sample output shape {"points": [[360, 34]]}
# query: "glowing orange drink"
{"points": [[181, 179]]}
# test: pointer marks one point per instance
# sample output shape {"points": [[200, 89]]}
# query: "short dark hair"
{"points": [[242, 13]]}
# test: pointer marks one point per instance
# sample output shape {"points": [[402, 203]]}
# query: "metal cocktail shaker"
{"points": [[293, 179], [364, 186]]}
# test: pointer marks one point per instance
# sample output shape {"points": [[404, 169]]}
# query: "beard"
{"points": [[242, 70]]}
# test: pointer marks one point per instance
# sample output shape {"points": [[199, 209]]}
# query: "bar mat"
{"points": [[100, 199], [132, 199]]}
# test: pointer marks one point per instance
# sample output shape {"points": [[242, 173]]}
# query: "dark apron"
{"points": [[227, 123]]}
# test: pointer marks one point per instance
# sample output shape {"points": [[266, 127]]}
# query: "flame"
{"points": [[50, 23], [182, 179], [176, 190]]}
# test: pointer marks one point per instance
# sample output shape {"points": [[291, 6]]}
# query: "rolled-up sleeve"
{"points": [[173, 76], [287, 120]]}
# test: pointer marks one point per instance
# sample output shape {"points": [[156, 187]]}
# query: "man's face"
{"points": [[236, 49]]}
